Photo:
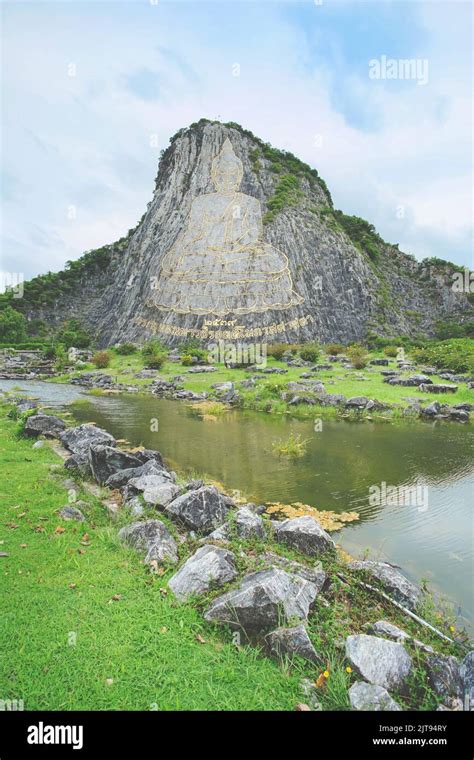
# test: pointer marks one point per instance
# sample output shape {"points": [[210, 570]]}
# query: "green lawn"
{"points": [[349, 382]]}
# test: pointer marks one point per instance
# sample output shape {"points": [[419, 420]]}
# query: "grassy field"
{"points": [[266, 395], [84, 625]]}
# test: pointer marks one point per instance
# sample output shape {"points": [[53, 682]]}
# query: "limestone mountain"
{"points": [[241, 240]]}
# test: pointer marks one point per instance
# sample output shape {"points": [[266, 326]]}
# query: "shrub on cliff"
{"points": [[101, 359]]}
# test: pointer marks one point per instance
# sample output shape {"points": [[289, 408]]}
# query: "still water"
{"points": [[433, 541]]}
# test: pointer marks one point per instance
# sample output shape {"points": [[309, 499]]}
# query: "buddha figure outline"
{"points": [[220, 264]]}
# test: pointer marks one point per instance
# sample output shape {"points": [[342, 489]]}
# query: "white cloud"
{"points": [[85, 140]]}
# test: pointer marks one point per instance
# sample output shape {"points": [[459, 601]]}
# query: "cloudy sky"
{"points": [[92, 91]]}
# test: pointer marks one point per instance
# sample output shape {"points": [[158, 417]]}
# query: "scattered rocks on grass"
{"points": [[153, 539], [71, 513], [437, 388], [290, 642], [381, 662], [201, 510], [263, 601], [304, 534], [44, 424], [413, 381], [202, 368], [395, 584], [370, 697], [209, 566]]}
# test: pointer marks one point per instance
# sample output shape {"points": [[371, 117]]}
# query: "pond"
{"points": [[431, 540]]}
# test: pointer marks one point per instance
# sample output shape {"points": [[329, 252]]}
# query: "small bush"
{"points": [[390, 351], [49, 352], [190, 347], [310, 352], [152, 348], [61, 357], [125, 349], [155, 361], [358, 356], [187, 360], [334, 349], [277, 350], [199, 354], [101, 359]]}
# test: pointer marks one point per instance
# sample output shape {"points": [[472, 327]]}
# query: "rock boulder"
{"points": [[152, 539], [290, 642], [381, 662], [105, 461], [395, 584], [44, 424], [201, 510], [305, 535], [370, 697], [263, 601], [210, 565]]}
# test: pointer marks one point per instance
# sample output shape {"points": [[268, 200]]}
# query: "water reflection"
{"points": [[341, 463]]}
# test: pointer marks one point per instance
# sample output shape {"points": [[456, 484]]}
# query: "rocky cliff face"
{"points": [[201, 242]]}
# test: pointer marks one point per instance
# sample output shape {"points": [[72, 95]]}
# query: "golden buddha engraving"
{"points": [[220, 264]]}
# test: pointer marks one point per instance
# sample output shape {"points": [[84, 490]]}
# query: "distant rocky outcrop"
{"points": [[341, 280]]}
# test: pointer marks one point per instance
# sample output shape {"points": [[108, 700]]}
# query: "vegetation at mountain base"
{"points": [[456, 355], [12, 326]]}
